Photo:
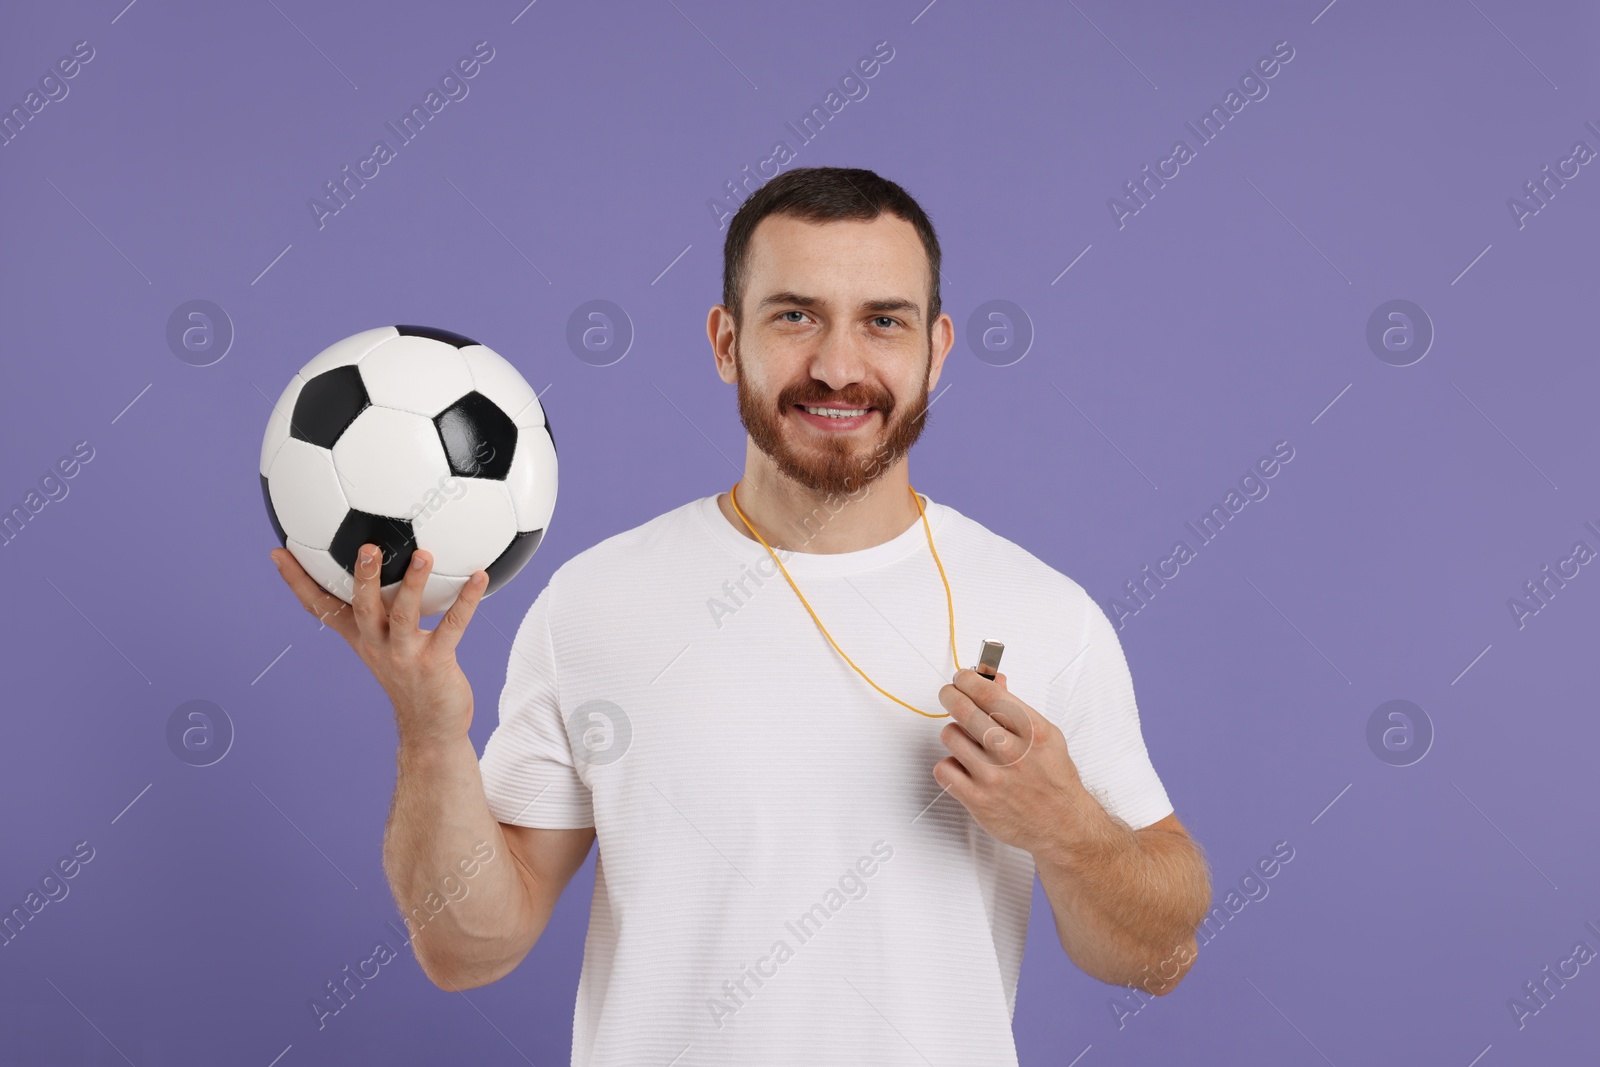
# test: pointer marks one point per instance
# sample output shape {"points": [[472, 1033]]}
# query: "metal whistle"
{"points": [[989, 659]]}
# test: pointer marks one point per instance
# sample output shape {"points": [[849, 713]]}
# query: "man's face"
{"points": [[835, 316]]}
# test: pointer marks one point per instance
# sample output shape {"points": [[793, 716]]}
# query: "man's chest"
{"points": [[767, 713]]}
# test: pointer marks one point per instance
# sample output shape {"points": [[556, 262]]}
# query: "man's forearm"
{"points": [[465, 930], [1126, 902]]}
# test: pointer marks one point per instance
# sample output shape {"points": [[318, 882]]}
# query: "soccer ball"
{"points": [[409, 437]]}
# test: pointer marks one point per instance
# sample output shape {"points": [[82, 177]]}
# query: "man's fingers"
{"points": [[1014, 718], [370, 614], [1005, 712], [315, 599], [1006, 730], [406, 610], [963, 709], [448, 633], [954, 779], [974, 756]]}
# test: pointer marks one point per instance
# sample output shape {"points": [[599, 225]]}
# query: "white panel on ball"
{"points": [[324, 570], [416, 374], [470, 528], [306, 494], [278, 422], [531, 417], [350, 350], [438, 593], [497, 379], [532, 479], [390, 461]]}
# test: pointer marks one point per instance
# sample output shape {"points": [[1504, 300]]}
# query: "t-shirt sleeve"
{"points": [[1093, 704], [529, 776]]}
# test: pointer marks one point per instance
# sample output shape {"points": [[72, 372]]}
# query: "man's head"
{"points": [[831, 299]]}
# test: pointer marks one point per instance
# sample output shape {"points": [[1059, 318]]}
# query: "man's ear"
{"points": [[719, 321]]}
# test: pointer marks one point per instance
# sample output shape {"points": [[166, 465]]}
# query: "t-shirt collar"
{"points": [[825, 564]]}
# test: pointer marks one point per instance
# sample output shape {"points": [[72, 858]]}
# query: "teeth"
{"points": [[836, 413]]}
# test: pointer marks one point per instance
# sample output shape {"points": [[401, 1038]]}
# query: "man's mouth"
{"points": [[836, 419], [834, 413]]}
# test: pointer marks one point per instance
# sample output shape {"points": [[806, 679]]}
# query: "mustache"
{"points": [[809, 397]]}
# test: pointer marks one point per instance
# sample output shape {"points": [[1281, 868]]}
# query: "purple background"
{"points": [[1229, 314]]}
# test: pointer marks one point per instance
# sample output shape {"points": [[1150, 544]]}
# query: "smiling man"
{"points": [[818, 837]]}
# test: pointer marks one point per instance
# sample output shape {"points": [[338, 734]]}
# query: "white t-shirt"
{"points": [[780, 878]]}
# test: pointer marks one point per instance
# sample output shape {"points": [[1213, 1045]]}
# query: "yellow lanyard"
{"points": [[733, 495]]}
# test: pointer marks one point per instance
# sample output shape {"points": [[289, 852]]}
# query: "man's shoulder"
{"points": [[651, 543], [1002, 559]]}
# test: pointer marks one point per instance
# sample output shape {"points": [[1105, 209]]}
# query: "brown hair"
{"points": [[822, 194]]}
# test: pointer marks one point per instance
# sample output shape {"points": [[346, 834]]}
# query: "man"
{"points": [[741, 699]]}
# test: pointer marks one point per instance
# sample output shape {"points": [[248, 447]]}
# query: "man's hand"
{"points": [[417, 668], [1009, 767]]}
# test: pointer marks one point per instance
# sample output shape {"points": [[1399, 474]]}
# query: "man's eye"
{"points": [[793, 313], [885, 321]]}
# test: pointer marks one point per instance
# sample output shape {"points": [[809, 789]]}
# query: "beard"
{"points": [[835, 464]]}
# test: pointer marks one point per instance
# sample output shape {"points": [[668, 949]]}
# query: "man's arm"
{"points": [[468, 930], [476, 893], [1126, 902]]}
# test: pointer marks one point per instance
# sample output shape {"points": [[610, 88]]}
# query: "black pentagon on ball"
{"points": [[435, 334], [392, 536], [511, 560], [272, 513], [478, 437], [328, 404]]}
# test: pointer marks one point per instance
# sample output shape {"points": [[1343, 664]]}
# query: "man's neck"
{"points": [[798, 519]]}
